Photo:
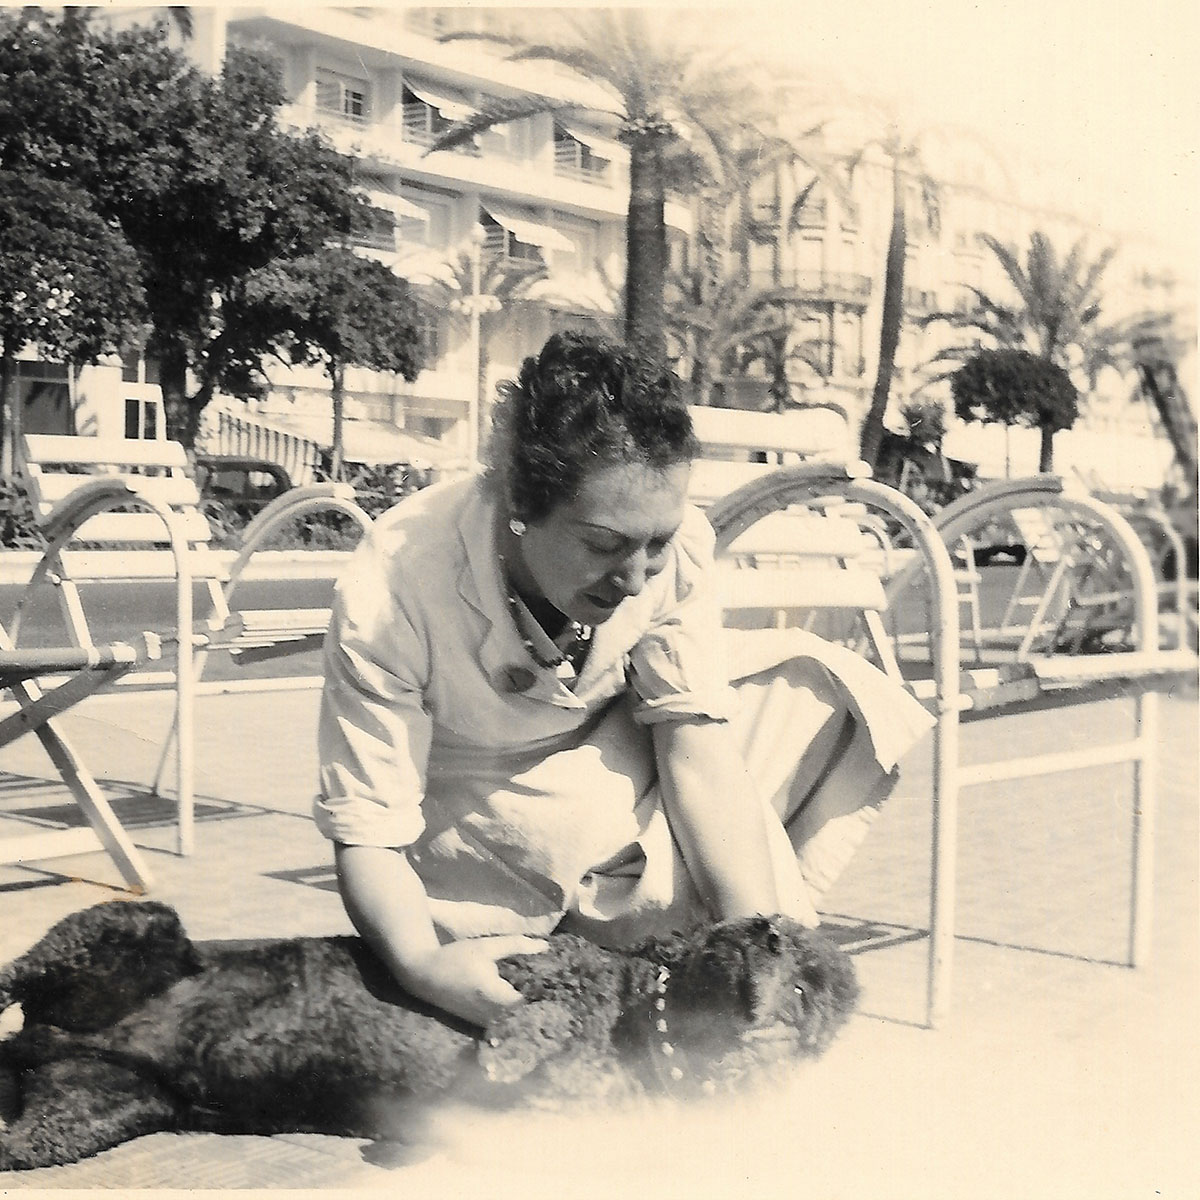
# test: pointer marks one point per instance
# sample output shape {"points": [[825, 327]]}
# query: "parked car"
{"points": [[242, 484]]}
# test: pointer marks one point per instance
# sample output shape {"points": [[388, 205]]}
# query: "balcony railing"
{"points": [[845, 286], [597, 172], [341, 116], [920, 300], [375, 239]]}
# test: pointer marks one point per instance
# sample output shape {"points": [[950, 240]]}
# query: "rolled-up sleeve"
{"points": [[374, 732], [677, 668]]}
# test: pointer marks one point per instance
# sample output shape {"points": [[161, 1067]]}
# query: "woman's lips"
{"points": [[603, 603]]}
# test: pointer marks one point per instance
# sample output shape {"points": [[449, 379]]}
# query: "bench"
{"points": [[127, 511], [780, 565]]}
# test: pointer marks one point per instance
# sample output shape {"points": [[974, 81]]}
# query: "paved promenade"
{"points": [[1060, 1074]]}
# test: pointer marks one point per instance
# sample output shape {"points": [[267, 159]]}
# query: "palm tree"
{"points": [[726, 325], [904, 156], [504, 286], [1055, 314], [666, 93]]}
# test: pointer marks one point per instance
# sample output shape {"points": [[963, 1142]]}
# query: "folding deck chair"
{"points": [[79, 673], [135, 501]]}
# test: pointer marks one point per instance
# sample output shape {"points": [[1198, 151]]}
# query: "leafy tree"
{"points": [[1055, 315], [1016, 387], [204, 185], [336, 309], [676, 102], [924, 423], [68, 284]]}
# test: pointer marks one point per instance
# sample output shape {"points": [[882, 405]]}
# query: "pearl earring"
{"points": [[517, 526]]}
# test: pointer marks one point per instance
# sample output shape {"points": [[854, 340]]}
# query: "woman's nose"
{"points": [[631, 577]]}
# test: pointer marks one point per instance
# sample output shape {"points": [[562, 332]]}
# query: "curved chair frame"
{"points": [[87, 501], [809, 483], [291, 506]]}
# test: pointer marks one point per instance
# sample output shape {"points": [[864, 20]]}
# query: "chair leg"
{"points": [[1145, 802], [943, 889]]}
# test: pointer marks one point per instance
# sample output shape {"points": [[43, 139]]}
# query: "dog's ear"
{"points": [[95, 966]]}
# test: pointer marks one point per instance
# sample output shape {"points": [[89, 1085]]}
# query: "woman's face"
{"points": [[591, 553]]}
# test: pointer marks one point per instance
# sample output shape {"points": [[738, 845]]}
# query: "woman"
{"points": [[527, 722]]}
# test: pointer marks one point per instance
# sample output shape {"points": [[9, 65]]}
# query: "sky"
{"points": [[1093, 104]]}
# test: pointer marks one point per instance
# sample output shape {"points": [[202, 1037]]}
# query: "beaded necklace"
{"points": [[570, 657]]}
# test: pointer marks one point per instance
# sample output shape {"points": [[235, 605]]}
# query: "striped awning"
{"points": [[394, 203], [527, 230], [452, 110], [605, 147]]}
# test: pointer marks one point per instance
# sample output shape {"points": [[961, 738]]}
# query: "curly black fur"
{"points": [[130, 1028]]}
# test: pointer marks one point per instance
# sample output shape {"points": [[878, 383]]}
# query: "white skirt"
{"points": [[579, 837]]}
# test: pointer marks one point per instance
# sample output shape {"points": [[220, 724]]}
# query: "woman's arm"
{"points": [[387, 904], [716, 817]]}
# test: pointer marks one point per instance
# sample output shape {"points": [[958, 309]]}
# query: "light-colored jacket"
{"points": [[521, 800]]}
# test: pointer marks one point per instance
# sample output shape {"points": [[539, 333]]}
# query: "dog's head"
{"points": [[751, 993], [97, 965]]}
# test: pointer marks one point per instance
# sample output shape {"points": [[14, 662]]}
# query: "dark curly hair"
{"points": [[583, 403]]}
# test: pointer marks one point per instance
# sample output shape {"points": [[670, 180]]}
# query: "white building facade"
{"points": [[552, 191]]}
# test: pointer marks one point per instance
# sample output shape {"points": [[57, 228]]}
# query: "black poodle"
{"points": [[130, 1028]]}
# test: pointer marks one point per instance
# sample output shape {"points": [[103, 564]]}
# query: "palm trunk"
{"points": [[337, 376], [890, 320], [646, 245]]}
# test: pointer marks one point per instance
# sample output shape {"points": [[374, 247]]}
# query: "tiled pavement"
{"points": [[1059, 1074]]}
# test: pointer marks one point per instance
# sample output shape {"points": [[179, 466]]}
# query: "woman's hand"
{"points": [[461, 978], [386, 903]]}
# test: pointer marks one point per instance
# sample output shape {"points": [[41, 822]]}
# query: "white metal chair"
{"points": [[777, 561], [133, 503]]}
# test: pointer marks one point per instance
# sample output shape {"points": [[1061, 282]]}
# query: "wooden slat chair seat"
{"points": [[126, 511], [762, 529]]}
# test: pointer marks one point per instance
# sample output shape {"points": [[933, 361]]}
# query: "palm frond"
{"points": [[496, 112]]}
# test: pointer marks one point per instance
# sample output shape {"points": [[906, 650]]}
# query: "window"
{"points": [[141, 418], [810, 256], [516, 235], [582, 235], [429, 332], [503, 243], [575, 156], [379, 233], [764, 199], [813, 208], [344, 96], [137, 369]]}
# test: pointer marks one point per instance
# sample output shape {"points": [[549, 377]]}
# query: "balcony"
{"points": [[920, 301], [841, 287]]}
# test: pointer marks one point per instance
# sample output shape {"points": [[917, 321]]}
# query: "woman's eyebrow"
{"points": [[661, 535]]}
